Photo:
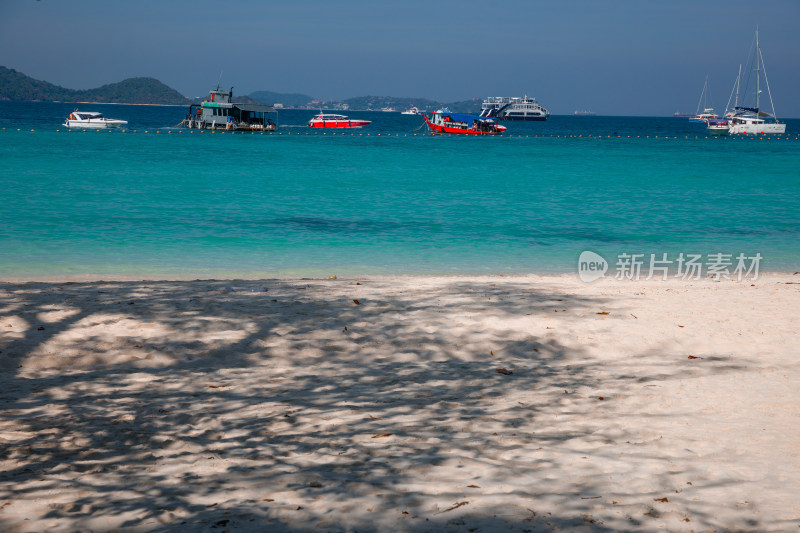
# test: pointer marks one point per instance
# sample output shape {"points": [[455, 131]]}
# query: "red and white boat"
{"points": [[444, 121], [328, 120]]}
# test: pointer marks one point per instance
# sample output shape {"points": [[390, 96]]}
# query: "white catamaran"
{"points": [[751, 120]]}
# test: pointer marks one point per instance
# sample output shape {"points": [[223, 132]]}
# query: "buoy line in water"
{"points": [[754, 136]]}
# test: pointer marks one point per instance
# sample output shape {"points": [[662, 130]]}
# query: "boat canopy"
{"points": [[461, 117], [259, 108], [255, 108]]}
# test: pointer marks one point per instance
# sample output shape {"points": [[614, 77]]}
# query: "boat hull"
{"points": [[524, 119], [756, 129], [338, 123], [228, 126], [718, 130], [94, 124]]}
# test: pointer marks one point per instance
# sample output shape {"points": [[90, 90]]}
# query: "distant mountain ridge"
{"points": [[364, 103], [398, 103], [287, 99], [18, 86]]}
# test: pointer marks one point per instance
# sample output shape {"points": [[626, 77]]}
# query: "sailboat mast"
{"points": [[758, 86], [703, 97], [738, 78], [734, 88]]}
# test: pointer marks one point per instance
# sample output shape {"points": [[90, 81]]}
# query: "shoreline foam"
{"points": [[258, 276]]}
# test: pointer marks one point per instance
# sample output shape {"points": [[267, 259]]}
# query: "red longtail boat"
{"points": [[444, 121]]}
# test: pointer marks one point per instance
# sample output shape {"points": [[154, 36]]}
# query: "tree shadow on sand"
{"points": [[163, 406]]}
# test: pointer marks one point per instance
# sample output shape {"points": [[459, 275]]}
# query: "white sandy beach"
{"points": [[377, 405]]}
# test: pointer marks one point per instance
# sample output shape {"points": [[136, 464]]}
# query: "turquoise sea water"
{"points": [[220, 205]]}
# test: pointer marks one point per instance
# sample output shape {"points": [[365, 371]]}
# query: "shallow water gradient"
{"points": [[385, 200]]}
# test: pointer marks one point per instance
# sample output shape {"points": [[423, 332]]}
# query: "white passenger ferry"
{"points": [[513, 108]]}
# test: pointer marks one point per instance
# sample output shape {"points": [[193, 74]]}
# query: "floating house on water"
{"points": [[219, 112]]}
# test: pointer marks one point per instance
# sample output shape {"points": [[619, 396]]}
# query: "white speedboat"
{"points": [[92, 120], [412, 111], [718, 127]]}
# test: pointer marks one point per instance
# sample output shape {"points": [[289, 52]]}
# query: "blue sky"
{"points": [[628, 57]]}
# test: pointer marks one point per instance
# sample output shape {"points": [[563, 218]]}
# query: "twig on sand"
{"points": [[454, 506]]}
